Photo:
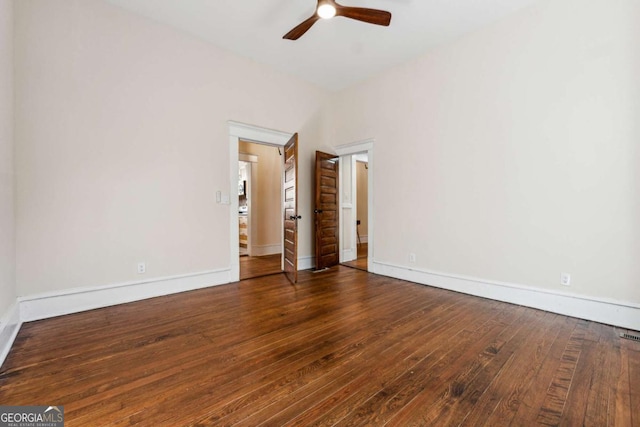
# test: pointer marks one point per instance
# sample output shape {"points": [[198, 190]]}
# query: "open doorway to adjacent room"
{"points": [[356, 204], [259, 209], [360, 180], [284, 145]]}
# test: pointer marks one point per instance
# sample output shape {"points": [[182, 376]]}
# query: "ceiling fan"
{"points": [[327, 9]]}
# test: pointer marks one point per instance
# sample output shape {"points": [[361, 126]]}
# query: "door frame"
{"points": [[344, 151], [242, 131]]}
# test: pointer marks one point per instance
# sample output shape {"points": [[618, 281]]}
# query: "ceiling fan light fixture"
{"points": [[326, 11]]}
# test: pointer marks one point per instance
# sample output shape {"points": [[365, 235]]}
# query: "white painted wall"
{"points": [[7, 226], [517, 150], [122, 142]]}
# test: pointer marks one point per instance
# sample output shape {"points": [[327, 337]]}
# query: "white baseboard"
{"points": [[364, 238], [262, 250], [611, 312], [9, 326], [53, 304], [306, 262]]}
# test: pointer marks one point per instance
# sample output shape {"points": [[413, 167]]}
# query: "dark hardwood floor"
{"points": [[342, 347], [258, 266], [361, 262]]}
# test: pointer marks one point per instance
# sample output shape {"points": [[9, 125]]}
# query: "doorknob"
{"points": [[295, 217], [318, 211]]}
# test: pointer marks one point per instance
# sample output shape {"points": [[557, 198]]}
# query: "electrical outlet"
{"points": [[412, 257], [565, 279], [142, 268]]}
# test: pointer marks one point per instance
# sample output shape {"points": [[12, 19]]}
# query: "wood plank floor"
{"points": [[361, 261], [342, 347], [258, 266]]}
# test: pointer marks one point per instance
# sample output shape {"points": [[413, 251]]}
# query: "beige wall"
{"points": [[7, 227], [362, 205], [122, 142], [266, 206], [517, 149]]}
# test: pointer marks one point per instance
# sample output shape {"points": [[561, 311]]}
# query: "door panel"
{"points": [[326, 210], [291, 216]]}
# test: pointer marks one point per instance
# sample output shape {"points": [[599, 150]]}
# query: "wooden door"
{"points": [[326, 210], [291, 217]]}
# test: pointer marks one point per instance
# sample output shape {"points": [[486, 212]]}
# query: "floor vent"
{"points": [[630, 337]]}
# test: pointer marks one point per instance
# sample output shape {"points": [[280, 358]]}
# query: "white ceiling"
{"points": [[333, 54]]}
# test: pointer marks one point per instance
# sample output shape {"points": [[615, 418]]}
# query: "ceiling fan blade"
{"points": [[372, 16], [302, 28]]}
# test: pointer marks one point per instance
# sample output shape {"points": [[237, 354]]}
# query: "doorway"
{"points": [[265, 139], [356, 205], [259, 209], [360, 171]]}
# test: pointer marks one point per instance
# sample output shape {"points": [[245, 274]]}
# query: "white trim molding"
{"points": [[611, 312], [258, 134], [10, 324], [355, 147], [69, 301]]}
